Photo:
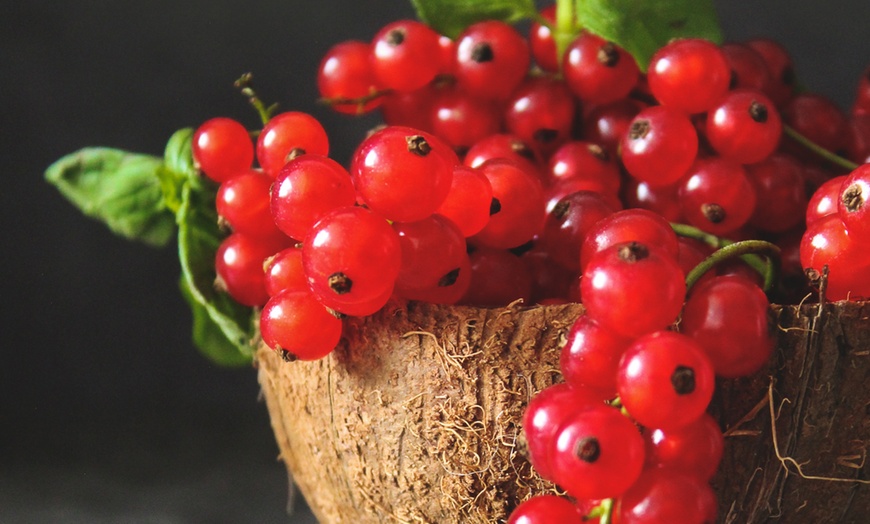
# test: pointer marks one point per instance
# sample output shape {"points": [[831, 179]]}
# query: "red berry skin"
{"points": [[780, 66], [222, 148], [542, 43], [352, 258], [853, 207], [242, 202], [662, 200], [827, 242], [607, 123], [239, 266], [825, 200], [297, 322], [717, 196], [621, 282], [665, 380], [468, 202], [461, 120], [779, 183], [695, 449], [659, 146], [433, 255], [737, 345], [545, 413], [663, 495], [519, 213], [345, 78], [580, 160], [629, 225], [598, 453], [307, 188], [748, 68], [689, 75], [541, 113], [289, 134], [402, 173], [403, 55], [817, 118], [504, 146], [598, 71], [491, 59], [590, 357], [409, 109], [545, 509], [569, 222], [285, 271], [498, 277], [744, 126]]}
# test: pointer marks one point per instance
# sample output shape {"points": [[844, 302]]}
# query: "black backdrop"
{"points": [[107, 412]]}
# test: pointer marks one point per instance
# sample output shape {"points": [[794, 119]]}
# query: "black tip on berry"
{"points": [[449, 279], [296, 152], [545, 136], [418, 145], [395, 37], [521, 148], [482, 52], [638, 129], [608, 55], [494, 206], [286, 356], [852, 198], [632, 252], [758, 112], [598, 152], [683, 380], [339, 283], [713, 212], [560, 210], [587, 449]]}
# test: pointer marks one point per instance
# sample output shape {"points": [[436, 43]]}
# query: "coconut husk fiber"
{"points": [[417, 416]]}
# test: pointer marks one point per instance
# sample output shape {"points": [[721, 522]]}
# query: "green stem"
{"points": [[244, 85], [603, 511], [767, 266], [565, 29], [817, 149], [736, 249]]}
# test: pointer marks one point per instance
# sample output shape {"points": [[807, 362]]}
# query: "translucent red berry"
{"points": [[689, 75], [296, 322], [404, 55], [744, 126], [598, 71], [659, 146], [222, 148], [288, 135], [346, 80], [491, 59]]}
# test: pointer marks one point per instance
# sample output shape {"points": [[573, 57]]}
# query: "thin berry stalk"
{"points": [[818, 150], [746, 247]]}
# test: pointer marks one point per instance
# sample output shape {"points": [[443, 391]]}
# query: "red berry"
{"points": [[818, 119], [744, 126], [689, 75], [590, 357], [469, 200], [296, 322], [632, 288], [239, 265], [695, 449], [569, 222], [346, 80], [664, 495], [748, 68], [433, 256], [404, 55], [288, 135], [352, 258], [825, 199], [780, 66], [598, 71], [242, 203], [307, 188], [580, 160], [545, 509], [665, 380], [780, 190], [541, 41], [729, 317], [498, 277], [716, 196], [222, 148], [598, 453], [461, 120], [541, 112], [660, 145], [285, 271], [517, 213], [853, 207], [491, 59], [638, 225]]}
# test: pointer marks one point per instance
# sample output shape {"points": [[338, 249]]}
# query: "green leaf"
{"points": [[222, 328], [643, 26], [120, 188], [451, 17]]}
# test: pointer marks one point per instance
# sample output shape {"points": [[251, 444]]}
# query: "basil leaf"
{"points": [[641, 27], [222, 327], [451, 17], [120, 188]]}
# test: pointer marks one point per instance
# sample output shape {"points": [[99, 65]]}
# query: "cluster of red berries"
{"points": [[494, 181]]}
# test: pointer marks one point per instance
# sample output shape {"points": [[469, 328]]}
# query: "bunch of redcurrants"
{"points": [[504, 172]]}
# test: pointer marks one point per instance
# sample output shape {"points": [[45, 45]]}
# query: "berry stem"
{"points": [[748, 251], [746, 247], [565, 29], [243, 84], [818, 150], [358, 102], [603, 511]]}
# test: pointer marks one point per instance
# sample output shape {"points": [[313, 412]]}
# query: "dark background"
{"points": [[107, 412]]}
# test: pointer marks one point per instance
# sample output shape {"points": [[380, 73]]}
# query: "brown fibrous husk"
{"points": [[417, 416]]}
